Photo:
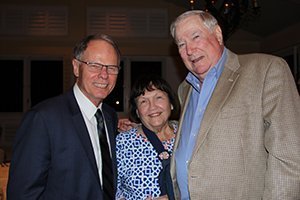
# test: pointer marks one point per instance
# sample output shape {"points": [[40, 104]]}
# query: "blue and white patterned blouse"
{"points": [[138, 165]]}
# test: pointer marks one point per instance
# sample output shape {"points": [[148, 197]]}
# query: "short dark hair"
{"points": [[81, 46], [149, 83]]}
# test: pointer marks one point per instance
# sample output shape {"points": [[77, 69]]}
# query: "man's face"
{"points": [[96, 86], [199, 48]]}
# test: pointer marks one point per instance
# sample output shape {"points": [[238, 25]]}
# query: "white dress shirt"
{"points": [[88, 110]]}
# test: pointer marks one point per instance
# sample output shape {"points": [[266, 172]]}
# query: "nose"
{"points": [[103, 72], [152, 104], [189, 49]]}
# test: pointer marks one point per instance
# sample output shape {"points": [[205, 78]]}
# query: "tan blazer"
{"points": [[248, 145]]}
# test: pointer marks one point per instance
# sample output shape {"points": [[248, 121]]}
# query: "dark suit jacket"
{"points": [[53, 156]]}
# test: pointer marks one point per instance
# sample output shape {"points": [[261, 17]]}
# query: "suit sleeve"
{"points": [[31, 159], [281, 110]]}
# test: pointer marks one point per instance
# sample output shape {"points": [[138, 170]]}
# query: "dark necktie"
{"points": [[107, 175]]}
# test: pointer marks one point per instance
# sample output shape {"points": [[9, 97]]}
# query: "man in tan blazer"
{"points": [[239, 132]]}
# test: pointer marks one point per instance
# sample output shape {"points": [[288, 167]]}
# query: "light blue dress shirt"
{"points": [[191, 123]]}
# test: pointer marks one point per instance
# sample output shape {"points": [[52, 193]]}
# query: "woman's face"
{"points": [[154, 109]]}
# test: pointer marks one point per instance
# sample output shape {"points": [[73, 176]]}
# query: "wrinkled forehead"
{"points": [[189, 25]]}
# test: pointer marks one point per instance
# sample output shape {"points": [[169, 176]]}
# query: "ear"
{"points": [[75, 68], [219, 36]]}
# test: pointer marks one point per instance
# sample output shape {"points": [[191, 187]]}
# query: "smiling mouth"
{"points": [[197, 59], [101, 85], [155, 114]]}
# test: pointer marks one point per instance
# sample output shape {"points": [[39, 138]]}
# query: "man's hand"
{"points": [[125, 124]]}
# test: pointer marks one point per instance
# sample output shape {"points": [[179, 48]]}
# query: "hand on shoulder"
{"points": [[124, 124]]}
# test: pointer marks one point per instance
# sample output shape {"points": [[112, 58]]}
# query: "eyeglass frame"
{"points": [[99, 66]]}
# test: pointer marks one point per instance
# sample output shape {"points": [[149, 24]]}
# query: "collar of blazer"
{"points": [[221, 92]]}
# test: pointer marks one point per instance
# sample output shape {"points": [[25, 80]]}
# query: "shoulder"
{"points": [[183, 86], [256, 65], [264, 65], [252, 58], [55, 105], [182, 91], [124, 136], [126, 140], [110, 114], [108, 109], [259, 59]]}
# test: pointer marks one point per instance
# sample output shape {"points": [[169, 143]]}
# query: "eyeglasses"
{"points": [[97, 67]]}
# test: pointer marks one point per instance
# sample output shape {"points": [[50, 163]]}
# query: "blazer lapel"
{"points": [[110, 121], [83, 134], [110, 129], [222, 90], [185, 94]]}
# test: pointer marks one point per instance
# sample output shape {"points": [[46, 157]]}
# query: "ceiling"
{"points": [[276, 15]]}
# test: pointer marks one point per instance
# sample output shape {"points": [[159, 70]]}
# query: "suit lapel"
{"points": [[110, 121], [110, 129], [185, 94], [222, 90], [83, 134]]}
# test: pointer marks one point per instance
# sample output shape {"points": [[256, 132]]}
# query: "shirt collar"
{"points": [[214, 71], [85, 105]]}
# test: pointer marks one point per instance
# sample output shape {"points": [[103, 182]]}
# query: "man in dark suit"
{"points": [[57, 153]]}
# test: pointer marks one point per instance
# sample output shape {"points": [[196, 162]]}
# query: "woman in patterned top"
{"points": [[143, 152]]}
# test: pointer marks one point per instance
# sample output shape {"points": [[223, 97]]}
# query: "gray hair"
{"points": [[208, 20], [81, 46]]}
